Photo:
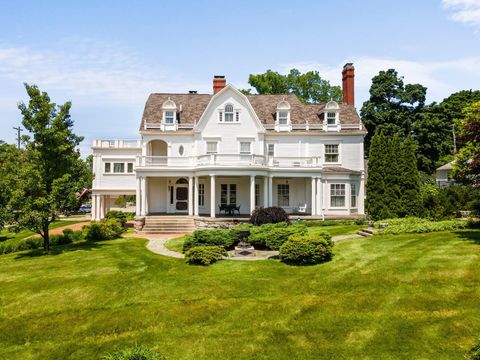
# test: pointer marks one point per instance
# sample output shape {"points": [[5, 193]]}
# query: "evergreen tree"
{"points": [[393, 152], [375, 203], [410, 199]]}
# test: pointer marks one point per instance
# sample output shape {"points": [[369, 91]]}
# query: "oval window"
{"points": [[180, 150]]}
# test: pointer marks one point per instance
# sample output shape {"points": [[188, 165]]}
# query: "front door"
{"points": [[181, 195]]}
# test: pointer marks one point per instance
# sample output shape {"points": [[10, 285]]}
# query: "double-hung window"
{"points": [[257, 194], [283, 194], [130, 167], [212, 147], [353, 195], [271, 149], [228, 194], [337, 195], [228, 113], [118, 167], [245, 147], [331, 118], [331, 153], [169, 117], [283, 117], [201, 194], [108, 167]]}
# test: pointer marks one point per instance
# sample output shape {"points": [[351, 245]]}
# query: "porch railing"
{"points": [[104, 143]]}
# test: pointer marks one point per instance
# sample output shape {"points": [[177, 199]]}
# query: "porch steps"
{"points": [[168, 225], [366, 232]]}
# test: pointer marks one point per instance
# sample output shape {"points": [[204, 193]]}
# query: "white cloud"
{"points": [[440, 77], [92, 71], [464, 11]]}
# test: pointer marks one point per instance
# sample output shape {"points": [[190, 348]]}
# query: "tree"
{"points": [[409, 180], [467, 162], [393, 185], [376, 188], [392, 107], [10, 157], [52, 171], [309, 87]]}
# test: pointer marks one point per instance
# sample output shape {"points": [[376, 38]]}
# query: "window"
{"points": [[283, 194], [228, 194], [228, 113], [169, 117], [212, 147], [171, 194], [108, 167], [283, 117], [118, 167], [271, 149], [257, 194], [353, 196], [130, 167], [237, 116], [220, 116], [245, 147], [181, 150], [331, 153], [331, 118], [201, 194], [337, 195]]}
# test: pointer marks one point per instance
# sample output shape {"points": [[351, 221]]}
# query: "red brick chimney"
{"points": [[348, 82], [219, 83]]}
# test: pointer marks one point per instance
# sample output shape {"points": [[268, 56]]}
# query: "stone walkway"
{"points": [[156, 244]]}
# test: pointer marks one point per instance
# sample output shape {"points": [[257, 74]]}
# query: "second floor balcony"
{"points": [[227, 160]]}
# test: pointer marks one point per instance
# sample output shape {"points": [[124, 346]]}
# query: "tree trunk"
{"points": [[46, 239]]}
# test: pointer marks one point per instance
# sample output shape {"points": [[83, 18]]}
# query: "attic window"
{"points": [[331, 114], [283, 113], [169, 117], [228, 113], [283, 118], [169, 112], [331, 118]]}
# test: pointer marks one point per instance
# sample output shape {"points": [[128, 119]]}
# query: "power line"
{"points": [[19, 129]]}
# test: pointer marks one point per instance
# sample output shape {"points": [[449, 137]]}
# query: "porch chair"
{"points": [[302, 208]]}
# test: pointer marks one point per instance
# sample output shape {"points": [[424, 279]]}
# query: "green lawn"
{"points": [[387, 297], [7, 235]]}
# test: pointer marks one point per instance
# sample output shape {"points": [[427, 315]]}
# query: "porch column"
{"points": [[265, 191], [195, 200], [348, 192], [212, 196], [143, 196], [319, 197], [270, 191], [361, 195], [102, 206], [146, 195], [138, 200], [252, 193], [93, 213], [314, 196], [190, 196]]}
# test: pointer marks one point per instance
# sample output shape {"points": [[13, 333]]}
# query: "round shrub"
{"points": [[306, 250], [204, 254], [117, 215], [221, 237], [106, 229], [135, 353], [272, 236], [269, 215]]}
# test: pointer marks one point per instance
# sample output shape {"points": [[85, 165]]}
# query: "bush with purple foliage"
{"points": [[269, 215]]}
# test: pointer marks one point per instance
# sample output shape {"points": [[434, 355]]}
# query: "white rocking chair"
{"points": [[302, 208]]}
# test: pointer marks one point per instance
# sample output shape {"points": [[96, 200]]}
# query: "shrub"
{"points": [[106, 229], [73, 235], [117, 215], [14, 245], [273, 236], [418, 225], [269, 215], [474, 353], [220, 237], [204, 254], [327, 223], [135, 353], [306, 250]]}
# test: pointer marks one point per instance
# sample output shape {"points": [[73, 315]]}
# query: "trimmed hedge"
{"points": [[106, 229], [306, 249], [135, 353], [121, 216], [418, 225], [272, 236], [204, 254], [269, 215], [220, 237]]}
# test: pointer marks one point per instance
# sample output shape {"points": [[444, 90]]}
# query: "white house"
{"points": [[205, 155]]}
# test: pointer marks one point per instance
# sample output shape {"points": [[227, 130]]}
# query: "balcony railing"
{"points": [[227, 160], [102, 143]]}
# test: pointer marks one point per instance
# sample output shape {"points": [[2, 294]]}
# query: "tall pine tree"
{"points": [[410, 203], [376, 205]]}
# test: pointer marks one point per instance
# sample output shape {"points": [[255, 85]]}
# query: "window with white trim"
{"points": [[245, 147], [337, 195], [331, 118], [228, 194], [201, 194], [331, 153], [271, 149], [228, 113], [257, 194], [118, 167], [220, 116], [212, 147], [353, 195], [129, 167], [108, 167], [283, 117], [283, 194], [169, 117]]}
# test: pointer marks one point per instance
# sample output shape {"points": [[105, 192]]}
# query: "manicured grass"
{"points": [[337, 230], [175, 244], [7, 235], [387, 297]]}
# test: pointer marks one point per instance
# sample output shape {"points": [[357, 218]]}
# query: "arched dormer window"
{"points": [[169, 109], [331, 115], [283, 116], [228, 114]]}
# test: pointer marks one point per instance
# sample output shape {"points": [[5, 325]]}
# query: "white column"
{"points": [[270, 191], [145, 179], [252, 193], [94, 208], [190, 195], [314, 196], [195, 200], [325, 196], [361, 195], [102, 206], [143, 196], [138, 197], [319, 198], [212, 196], [348, 191], [265, 191]]}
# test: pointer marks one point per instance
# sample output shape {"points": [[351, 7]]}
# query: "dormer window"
{"points": [[169, 117], [331, 116], [169, 109], [282, 122], [228, 114], [283, 117]]}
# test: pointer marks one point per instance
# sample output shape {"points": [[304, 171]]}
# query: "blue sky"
{"points": [[107, 56]]}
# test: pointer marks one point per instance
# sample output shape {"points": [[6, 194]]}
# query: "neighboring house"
{"points": [[202, 154], [443, 175]]}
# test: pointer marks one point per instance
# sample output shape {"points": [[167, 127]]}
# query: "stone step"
{"points": [[364, 233], [168, 227]]}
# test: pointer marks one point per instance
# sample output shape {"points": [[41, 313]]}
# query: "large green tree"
{"points": [[10, 159], [467, 162], [393, 106], [376, 206], [52, 170], [408, 179], [309, 86]]}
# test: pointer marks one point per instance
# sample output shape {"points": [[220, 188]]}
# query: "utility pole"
{"points": [[19, 129], [454, 140]]}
